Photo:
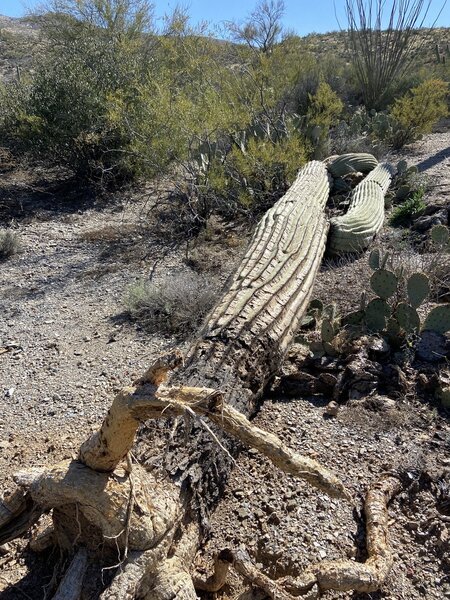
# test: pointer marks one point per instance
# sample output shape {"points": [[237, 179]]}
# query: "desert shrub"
{"points": [[9, 243], [418, 110], [253, 177], [405, 213], [324, 108], [175, 306], [73, 110]]}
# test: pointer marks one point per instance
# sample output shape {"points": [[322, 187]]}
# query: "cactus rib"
{"points": [[351, 163], [354, 231]]}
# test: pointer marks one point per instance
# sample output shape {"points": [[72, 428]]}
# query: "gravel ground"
{"points": [[68, 350]]}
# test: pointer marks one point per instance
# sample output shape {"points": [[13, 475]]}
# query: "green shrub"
{"points": [[177, 305], [324, 108], [9, 243], [405, 213], [418, 110], [252, 178], [73, 109]]}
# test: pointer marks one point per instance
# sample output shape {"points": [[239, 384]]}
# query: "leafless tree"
{"points": [[263, 27]]}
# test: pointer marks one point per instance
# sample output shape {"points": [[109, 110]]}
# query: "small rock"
{"points": [[243, 514], [331, 409]]}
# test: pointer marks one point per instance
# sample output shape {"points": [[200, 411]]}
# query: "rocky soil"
{"points": [[66, 347]]}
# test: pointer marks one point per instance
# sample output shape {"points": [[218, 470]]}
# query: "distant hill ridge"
{"points": [[19, 37]]}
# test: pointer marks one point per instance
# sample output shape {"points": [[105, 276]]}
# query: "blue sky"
{"points": [[302, 16]]}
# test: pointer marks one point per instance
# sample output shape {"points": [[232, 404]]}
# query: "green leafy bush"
{"points": [[73, 110], [252, 178], [418, 110], [405, 213]]}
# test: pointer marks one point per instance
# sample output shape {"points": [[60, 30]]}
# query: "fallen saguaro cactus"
{"points": [[344, 164], [354, 231], [148, 525]]}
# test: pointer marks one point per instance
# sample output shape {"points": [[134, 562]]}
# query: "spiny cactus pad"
{"points": [[327, 330], [354, 318], [440, 235], [352, 163], [354, 231], [418, 287], [407, 317], [377, 312], [384, 283], [375, 259], [438, 319], [393, 328], [316, 305], [401, 167]]}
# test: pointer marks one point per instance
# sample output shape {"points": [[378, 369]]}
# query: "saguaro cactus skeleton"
{"points": [[155, 522]]}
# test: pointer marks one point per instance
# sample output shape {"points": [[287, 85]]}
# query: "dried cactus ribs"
{"points": [[345, 164], [354, 231]]}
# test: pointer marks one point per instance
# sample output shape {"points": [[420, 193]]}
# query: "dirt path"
{"points": [[69, 351]]}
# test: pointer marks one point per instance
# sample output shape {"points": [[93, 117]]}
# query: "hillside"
{"points": [[19, 42]]}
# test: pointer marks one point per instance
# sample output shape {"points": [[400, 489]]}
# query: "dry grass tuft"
{"points": [[9, 244], [177, 305]]}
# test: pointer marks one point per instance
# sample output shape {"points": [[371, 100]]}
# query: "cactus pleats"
{"points": [[354, 231], [351, 163]]}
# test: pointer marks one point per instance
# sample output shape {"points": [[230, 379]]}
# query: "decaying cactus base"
{"points": [[139, 521]]}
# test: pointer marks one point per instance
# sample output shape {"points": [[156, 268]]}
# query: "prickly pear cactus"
{"points": [[351, 163], [440, 236], [377, 312], [375, 259], [438, 319], [327, 330], [418, 287], [407, 317], [354, 231], [384, 283]]}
